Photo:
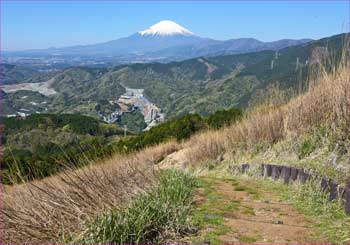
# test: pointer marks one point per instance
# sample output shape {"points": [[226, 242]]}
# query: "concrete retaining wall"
{"points": [[290, 174]]}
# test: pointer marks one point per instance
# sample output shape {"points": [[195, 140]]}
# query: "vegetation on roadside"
{"points": [[157, 216], [62, 203], [331, 219], [134, 121]]}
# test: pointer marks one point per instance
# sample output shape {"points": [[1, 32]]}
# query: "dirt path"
{"points": [[236, 211]]}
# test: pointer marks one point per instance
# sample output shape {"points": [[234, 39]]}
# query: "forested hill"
{"points": [[42, 144], [201, 85], [10, 74]]}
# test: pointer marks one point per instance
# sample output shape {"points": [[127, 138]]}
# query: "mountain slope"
{"points": [[201, 85], [233, 46], [164, 41], [162, 35], [11, 74]]}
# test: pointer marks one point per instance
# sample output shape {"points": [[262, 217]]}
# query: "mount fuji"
{"points": [[164, 41]]}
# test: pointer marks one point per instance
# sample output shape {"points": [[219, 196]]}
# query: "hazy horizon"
{"points": [[41, 25]]}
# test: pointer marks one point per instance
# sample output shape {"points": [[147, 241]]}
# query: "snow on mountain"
{"points": [[164, 41], [166, 28]]}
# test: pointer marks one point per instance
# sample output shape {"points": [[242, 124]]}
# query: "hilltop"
{"points": [[201, 85]]}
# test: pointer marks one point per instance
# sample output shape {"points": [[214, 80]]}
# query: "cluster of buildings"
{"points": [[116, 115], [131, 100]]}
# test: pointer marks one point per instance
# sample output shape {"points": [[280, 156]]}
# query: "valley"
{"points": [[200, 85], [166, 136]]}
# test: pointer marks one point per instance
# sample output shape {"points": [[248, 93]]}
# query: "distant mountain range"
{"points": [[202, 84], [164, 41]]}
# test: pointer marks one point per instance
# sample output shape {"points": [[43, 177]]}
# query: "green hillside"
{"points": [[201, 85], [42, 144], [11, 74]]}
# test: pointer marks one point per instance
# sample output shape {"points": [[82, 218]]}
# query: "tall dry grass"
{"points": [[326, 103], [45, 211]]}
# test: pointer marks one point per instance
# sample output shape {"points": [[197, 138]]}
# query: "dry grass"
{"points": [[46, 210], [326, 103]]}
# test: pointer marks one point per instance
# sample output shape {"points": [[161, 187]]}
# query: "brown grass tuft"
{"points": [[46, 210]]}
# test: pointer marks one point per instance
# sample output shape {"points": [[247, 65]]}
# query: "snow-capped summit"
{"points": [[166, 28]]}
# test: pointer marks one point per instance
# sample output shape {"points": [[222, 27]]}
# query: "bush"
{"points": [[152, 217], [224, 117]]}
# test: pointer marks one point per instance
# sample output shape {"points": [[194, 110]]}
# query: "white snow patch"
{"points": [[166, 28]]}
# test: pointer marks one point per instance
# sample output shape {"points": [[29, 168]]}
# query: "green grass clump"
{"points": [[307, 147], [246, 189], [247, 239], [152, 217]]}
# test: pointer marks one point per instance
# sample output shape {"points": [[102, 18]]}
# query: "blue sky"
{"points": [[43, 24]]}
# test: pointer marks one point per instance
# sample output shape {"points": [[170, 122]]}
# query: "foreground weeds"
{"points": [[44, 211], [156, 216]]}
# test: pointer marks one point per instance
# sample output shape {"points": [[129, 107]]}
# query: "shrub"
{"points": [[224, 118]]}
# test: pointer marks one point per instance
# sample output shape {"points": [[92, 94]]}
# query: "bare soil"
{"points": [[259, 217]]}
